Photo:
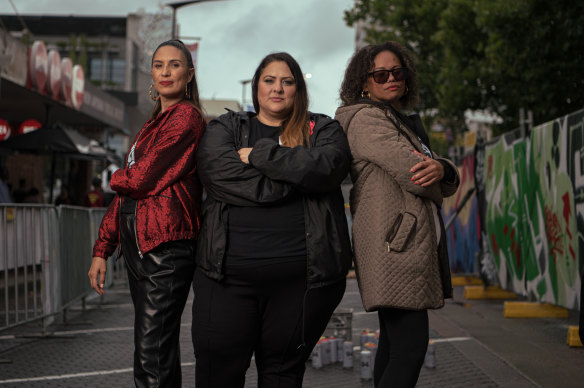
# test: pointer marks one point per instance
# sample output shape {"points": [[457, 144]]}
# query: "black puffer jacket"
{"points": [[273, 173]]}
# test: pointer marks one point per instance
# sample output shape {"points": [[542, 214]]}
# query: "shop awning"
{"points": [[19, 102], [58, 140]]}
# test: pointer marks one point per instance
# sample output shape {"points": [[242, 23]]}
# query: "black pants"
{"points": [[403, 341], [159, 284], [265, 316]]}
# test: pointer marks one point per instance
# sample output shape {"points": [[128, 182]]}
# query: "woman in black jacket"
{"points": [[274, 248]]}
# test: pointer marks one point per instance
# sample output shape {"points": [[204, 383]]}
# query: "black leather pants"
{"points": [[159, 284]]}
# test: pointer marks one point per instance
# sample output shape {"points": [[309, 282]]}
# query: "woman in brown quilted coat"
{"points": [[398, 187]]}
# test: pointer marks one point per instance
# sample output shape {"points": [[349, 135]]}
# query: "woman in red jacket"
{"points": [[155, 217]]}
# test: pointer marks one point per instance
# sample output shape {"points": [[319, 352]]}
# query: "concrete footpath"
{"points": [[474, 347]]}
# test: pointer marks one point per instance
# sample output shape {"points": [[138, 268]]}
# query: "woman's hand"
{"points": [[97, 274], [244, 154], [427, 172]]}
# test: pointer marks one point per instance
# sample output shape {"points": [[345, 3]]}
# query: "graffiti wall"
{"points": [[534, 211], [463, 234]]}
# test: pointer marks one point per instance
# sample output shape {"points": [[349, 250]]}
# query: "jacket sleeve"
{"points": [[448, 188], [108, 235], [320, 168], [226, 178], [374, 138], [167, 161]]}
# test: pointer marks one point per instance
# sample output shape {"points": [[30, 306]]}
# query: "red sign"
{"points": [[193, 48], [28, 126], [54, 81], [38, 65], [78, 86], [66, 79], [4, 130]]}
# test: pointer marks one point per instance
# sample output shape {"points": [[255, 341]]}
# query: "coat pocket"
{"points": [[400, 233]]}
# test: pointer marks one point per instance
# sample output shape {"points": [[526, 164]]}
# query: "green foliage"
{"points": [[83, 54], [438, 143], [497, 55], [73, 48]]}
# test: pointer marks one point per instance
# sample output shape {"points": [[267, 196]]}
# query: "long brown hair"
{"points": [[295, 130], [192, 95]]}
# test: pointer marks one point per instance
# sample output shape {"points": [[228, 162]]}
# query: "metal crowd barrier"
{"points": [[45, 253]]}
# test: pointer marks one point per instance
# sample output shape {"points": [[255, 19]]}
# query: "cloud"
{"points": [[237, 34]]}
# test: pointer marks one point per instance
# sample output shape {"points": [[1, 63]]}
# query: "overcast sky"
{"points": [[237, 34]]}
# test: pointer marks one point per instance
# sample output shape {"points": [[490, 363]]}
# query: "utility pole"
{"points": [[525, 123], [176, 5]]}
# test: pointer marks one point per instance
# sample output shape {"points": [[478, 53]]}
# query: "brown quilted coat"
{"points": [[397, 260]]}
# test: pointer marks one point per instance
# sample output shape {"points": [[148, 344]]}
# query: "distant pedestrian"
{"points": [[32, 196], [4, 190], [63, 198], [155, 217], [94, 198], [274, 249], [20, 192], [398, 187]]}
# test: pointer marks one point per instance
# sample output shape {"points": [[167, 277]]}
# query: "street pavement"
{"points": [[474, 347]]}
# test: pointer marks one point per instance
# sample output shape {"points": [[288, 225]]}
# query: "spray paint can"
{"points": [[347, 355], [340, 350], [372, 347], [371, 337], [363, 338], [366, 370], [326, 351], [317, 356], [430, 360], [333, 345]]}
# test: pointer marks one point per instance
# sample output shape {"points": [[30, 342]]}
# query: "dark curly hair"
{"points": [[363, 62]]}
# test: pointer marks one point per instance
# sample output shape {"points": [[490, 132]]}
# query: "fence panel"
{"points": [[76, 237], [28, 252]]}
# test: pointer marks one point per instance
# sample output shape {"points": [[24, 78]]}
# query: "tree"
{"points": [[496, 55]]}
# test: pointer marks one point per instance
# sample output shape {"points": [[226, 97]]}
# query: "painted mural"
{"points": [[534, 211], [556, 161], [464, 231]]}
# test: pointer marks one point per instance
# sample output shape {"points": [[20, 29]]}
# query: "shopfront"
{"points": [[39, 90]]}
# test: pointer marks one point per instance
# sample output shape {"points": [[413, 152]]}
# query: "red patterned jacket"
{"points": [[163, 180]]}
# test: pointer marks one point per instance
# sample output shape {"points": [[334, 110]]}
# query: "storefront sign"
{"points": [[66, 79], [4, 130], [77, 87], [98, 103], [28, 126], [38, 66], [54, 82], [60, 78]]}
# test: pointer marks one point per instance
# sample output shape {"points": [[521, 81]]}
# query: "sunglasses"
{"points": [[382, 76]]}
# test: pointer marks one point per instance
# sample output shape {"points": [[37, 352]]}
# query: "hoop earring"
{"points": [[187, 94], [407, 90], [151, 95], [365, 94]]}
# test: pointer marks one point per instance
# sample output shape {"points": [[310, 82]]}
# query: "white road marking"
{"points": [[76, 375], [74, 332], [453, 339]]}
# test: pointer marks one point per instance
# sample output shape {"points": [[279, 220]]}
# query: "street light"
{"points": [[243, 85], [176, 5]]}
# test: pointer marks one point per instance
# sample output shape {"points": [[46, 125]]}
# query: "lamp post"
{"points": [[243, 85], [176, 5]]}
